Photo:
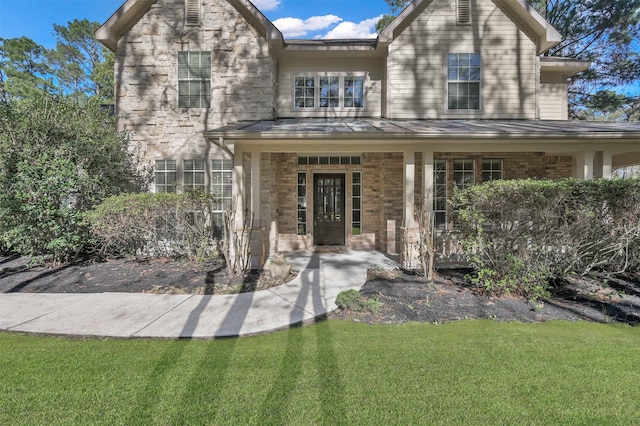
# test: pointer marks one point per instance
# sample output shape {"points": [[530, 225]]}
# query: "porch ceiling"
{"points": [[384, 129]]}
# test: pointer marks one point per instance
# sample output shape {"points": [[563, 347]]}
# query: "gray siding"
{"points": [[417, 74]]}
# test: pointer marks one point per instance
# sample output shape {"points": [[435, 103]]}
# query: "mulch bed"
{"points": [[404, 297], [407, 298], [130, 276]]}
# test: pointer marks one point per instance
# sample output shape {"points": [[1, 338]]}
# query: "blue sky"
{"points": [[295, 18]]}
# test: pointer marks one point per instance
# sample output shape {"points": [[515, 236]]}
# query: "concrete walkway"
{"points": [[311, 295]]}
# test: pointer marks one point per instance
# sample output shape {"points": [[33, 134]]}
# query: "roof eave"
{"points": [[566, 66], [380, 137], [122, 20], [132, 10]]}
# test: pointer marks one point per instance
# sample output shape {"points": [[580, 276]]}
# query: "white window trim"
{"points": [[178, 79], [445, 69], [341, 91]]}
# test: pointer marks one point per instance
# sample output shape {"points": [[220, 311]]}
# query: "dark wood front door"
{"points": [[328, 210]]}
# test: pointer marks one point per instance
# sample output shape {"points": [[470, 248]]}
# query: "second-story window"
{"points": [[194, 79], [305, 92], [328, 92], [354, 92], [463, 82]]}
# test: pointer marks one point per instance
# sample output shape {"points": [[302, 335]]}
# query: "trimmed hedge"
{"points": [[518, 234], [171, 225]]}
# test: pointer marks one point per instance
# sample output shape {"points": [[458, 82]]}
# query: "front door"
{"points": [[328, 210]]}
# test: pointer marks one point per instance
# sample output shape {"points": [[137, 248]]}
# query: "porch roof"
{"points": [[385, 129]]}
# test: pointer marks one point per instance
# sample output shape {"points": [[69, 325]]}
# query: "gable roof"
{"points": [[132, 10], [522, 14]]}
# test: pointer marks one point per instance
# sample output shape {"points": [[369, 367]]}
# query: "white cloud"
{"points": [[364, 29], [264, 5], [295, 27]]}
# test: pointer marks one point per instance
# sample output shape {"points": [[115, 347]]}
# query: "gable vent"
{"points": [[464, 12], [192, 12]]}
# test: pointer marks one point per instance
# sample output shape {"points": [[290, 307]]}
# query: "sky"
{"points": [[305, 19]]}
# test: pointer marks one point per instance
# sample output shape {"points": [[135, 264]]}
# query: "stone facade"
{"points": [[243, 78]]}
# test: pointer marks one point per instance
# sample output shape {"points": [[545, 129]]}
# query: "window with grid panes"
{"points": [[165, 176], [463, 173], [221, 187], [354, 92], [193, 175], [440, 193], [305, 92], [463, 82], [491, 169], [329, 89], [302, 203], [356, 203], [194, 79]]}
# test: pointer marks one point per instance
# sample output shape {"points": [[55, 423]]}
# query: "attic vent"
{"points": [[192, 12], [464, 12]]}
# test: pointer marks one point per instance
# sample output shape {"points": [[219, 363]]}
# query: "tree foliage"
{"points": [[79, 65], [605, 32], [58, 158]]}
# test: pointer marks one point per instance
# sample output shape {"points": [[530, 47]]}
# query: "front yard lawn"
{"points": [[333, 372]]}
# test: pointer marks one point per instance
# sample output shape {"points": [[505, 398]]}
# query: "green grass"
{"points": [[472, 372]]}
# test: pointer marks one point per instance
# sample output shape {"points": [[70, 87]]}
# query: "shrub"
{"points": [[172, 225], [354, 301], [518, 234], [58, 158]]}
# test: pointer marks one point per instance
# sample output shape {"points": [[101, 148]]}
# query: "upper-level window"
{"points": [[329, 92], [305, 92], [464, 81], [354, 92], [194, 79]]}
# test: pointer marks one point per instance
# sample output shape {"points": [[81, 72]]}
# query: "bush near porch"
{"points": [[157, 225], [520, 234]]}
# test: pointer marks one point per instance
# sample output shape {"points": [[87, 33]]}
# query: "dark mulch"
{"points": [[128, 275], [450, 297], [405, 297]]}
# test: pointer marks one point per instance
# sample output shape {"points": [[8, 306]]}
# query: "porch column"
{"points": [[256, 157], [427, 179], [603, 165], [239, 191], [584, 165], [409, 189]]}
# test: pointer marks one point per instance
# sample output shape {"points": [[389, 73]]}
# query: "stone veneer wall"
{"points": [[243, 78]]}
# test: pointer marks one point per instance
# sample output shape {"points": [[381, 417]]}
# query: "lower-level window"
{"points": [[302, 203], [491, 169], [165, 176], [440, 193], [193, 175], [356, 203], [463, 173], [221, 187]]}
